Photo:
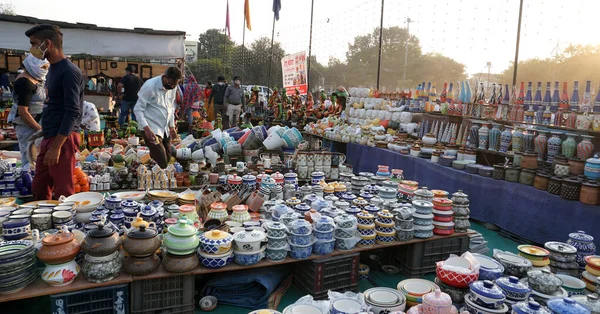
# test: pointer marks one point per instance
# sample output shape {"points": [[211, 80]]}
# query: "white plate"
{"points": [[87, 200], [349, 306], [384, 296], [131, 195], [302, 309], [163, 194], [418, 287], [571, 282]]}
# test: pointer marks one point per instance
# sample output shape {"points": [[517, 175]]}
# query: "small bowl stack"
{"points": [[384, 228], [442, 216], [345, 231], [423, 219], [592, 273], [415, 289], [366, 229], [277, 247], [404, 224], [300, 238], [385, 300], [538, 256], [563, 258], [323, 234]]}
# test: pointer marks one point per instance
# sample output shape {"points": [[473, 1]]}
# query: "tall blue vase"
{"points": [[505, 139], [554, 146], [494, 137], [474, 136]]}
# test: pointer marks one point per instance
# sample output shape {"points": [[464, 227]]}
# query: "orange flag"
{"points": [[247, 14]]}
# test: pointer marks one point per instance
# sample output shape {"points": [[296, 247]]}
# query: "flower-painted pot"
{"points": [[324, 247], [60, 274]]}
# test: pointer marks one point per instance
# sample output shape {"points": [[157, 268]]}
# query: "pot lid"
{"points": [[182, 229], [299, 223], [249, 235], [437, 298], [560, 247], [366, 195], [423, 228], [423, 216], [365, 215], [129, 203], [460, 193], [302, 207], [113, 199], [487, 288], [291, 175], [581, 236], [344, 218], [276, 225], [512, 259], [293, 200], [234, 178], [385, 214], [278, 176], [486, 262], [513, 284], [566, 305], [360, 201], [216, 235], [352, 209], [543, 277], [58, 238], [240, 208], [249, 177], [340, 188], [595, 160], [218, 206], [100, 232], [421, 203], [142, 233]]}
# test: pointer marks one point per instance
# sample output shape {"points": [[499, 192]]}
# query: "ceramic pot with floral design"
{"points": [[585, 148], [59, 248], [60, 274]]}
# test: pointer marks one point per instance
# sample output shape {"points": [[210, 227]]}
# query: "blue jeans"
{"points": [[126, 107], [189, 118], [24, 132]]}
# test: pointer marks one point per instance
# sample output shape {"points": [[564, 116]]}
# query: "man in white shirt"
{"points": [[155, 113]]}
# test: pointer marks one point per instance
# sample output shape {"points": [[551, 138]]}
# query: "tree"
{"points": [[436, 68], [7, 8], [256, 70]]}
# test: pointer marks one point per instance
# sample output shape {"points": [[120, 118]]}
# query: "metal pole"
{"points": [[271, 58], [243, 47], [380, 39], [489, 66], [514, 82], [312, 6], [408, 20]]}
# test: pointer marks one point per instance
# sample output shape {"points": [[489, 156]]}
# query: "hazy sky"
{"points": [[472, 32]]}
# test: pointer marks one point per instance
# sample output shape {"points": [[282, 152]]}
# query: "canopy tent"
{"points": [[90, 39]]}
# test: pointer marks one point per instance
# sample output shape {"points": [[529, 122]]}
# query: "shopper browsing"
{"points": [[128, 87], [234, 98], [155, 111], [218, 95], [61, 115]]}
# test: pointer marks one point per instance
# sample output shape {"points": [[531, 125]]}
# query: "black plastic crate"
{"points": [[173, 294], [105, 300], [338, 273], [418, 259]]}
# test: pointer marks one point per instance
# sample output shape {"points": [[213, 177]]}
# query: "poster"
{"points": [[294, 73]]}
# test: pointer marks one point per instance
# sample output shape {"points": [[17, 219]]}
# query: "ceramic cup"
{"points": [[240, 166], [267, 163], [41, 221], [302, 172]]}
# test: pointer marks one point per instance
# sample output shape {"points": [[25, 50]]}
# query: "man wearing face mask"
{"points": [[61, 115], [234, 98], [28, 101], [155, 113]]}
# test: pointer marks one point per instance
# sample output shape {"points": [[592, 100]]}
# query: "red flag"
{"points": [[227, 27]]}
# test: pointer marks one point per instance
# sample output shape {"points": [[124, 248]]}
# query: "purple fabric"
{"points": [[523, 210]]}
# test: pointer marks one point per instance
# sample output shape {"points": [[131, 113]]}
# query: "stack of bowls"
{"points": [[423, 219], [415, 289], [460, 208], [249, 246], [442, 216], [323, 234], [591, 275], [384, 228], [17, 265], [300, 239], [385, 300], [538, 256], [346, 229], [563, 258], [584, 243], [366, 229], [485, 297], [88, 202], [514, 290], [277, 246], [215, 250], [406, 192], [404, 223]]}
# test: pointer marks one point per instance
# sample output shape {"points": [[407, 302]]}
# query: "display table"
{"points": [[523, 210]]}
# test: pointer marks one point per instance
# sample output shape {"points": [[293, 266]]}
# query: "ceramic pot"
{"points": [[474, 136], [141, 266], [590, 301], [517, 140], [59, 248], [141, 242], [180, 263], [584, 243], [554, 146], [101, 269], [248, 258], [576, 166], [528, 141], [215, 261], [569, 146], [585, 148], [566, 306], [487, 294], [541, 145], [555, 185], [570, 189], [592, 168], [494, 137], [437, 302], [543, 281], [240, 213], [512, 173], [15, 229], [215, 242], [101, 241], [527, 176], [529, 161], [541, 181], [513, 289], [249, 240], [483, 134], [505, 139], [181, 238], [529, 307], [590, 193], [499, 172], [60, 274], [218, 210]]}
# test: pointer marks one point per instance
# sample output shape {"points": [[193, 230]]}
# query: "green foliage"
{"points": [[7, 8]]}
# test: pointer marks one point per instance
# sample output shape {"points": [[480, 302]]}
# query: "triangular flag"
{"points": [[227, 27], [247, 14]]}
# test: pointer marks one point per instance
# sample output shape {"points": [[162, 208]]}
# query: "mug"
{"points": [[240, 166], [318, 159], [303, 172], [304, 145], [342, 168], [275, 159], [335, 173], [326, 170], [316, 144], [337, 159], [327, 159], [301, 159], [267, 162]]}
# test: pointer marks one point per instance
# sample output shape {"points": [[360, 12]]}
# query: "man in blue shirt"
{"points": [[61, 116]]}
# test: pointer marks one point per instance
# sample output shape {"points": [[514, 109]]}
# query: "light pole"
{"points": [[408, 21], [489, 66]]}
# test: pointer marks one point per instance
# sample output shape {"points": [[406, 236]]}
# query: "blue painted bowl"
{"points": [[385, 220], [513, 288], [324, 248], [276, 255], [215, 261], [301, 251], [489, 268], [15, 229], [248, 258], [299, 239], [382, 238], [423, 234], [366, 242], [320, 235], [212, 246]]}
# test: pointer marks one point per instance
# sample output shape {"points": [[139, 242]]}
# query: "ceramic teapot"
{"points": [[101, 241], [181, 238], [142, 241], [437, 302], [59, 248]]}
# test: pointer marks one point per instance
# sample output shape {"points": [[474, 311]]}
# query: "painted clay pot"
{"points": [[541, 145], [517, 140], [569, 146], [483, 135], [474, 136], [180, 263], [59, 248], [585, 148], [494, 137], [554, 146], [141, 242], [528, 141], [505, 139], [60, 274]]}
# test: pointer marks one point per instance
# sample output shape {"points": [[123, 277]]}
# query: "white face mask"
{"points": [[237, 82]]}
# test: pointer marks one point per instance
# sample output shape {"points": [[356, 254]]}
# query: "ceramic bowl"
{"points": [[574, 286], [514, 265], [23, 211], [276, 255], [366, 230], [15, 229], [489, 268], [299, 239], [302, 309], [385, 238], [61, 217], [215, 261], [385, 300], [88, 201], [301, 251], [214, 242], [320, 235], [248, 258], [386, 229], [532, 252], [323, 247], [423, 232], [404, 235], [486, 293], [513, 289], [345, 306], [343, 233], [454, 279], [277, 242], [543, 281]]}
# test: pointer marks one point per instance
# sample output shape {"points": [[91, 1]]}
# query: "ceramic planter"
{"points": [[101, 269], [141, 242], [101, 241], [58, 248], [141, 266], [60, 274], [181, 238]]}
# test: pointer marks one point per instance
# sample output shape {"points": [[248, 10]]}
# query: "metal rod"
{"points": [[271, 58], [380, 40], [514, 82], [408, 20], [243, 47], [312, 6]]}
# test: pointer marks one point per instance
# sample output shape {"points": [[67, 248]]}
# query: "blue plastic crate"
{"points": [[105, 300]]}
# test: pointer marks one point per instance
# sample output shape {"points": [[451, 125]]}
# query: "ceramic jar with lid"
{"points": [[365, 218], [249, 240], [517, 159], [498, 172], [566, 306], [141, 242], [460, 198], [543, 281], [486, 293], [423, 194], [561, 168], [527, 176], [101, 241], [590, 301], [590, 193], [555, 185], [181, 238], [302, 208], [592, 168], [512, 173], [215, 242], [130, 204], [141, 266], [59, 248], [584, 243], [240, 213], [112, 202], [218, 210], [529, 307], [541, 181], [570, 189], [437, 302], [360, 202], [98, 269], [513, 289]]}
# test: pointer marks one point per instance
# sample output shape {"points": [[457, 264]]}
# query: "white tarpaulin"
{"points": [[101, 43]]}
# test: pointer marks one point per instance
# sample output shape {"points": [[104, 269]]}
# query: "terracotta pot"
{"points": [[58, 248], [140, 266], [141, 242], [529, 161], [101, 241], [576, 166], [541, 181], [590, 193], [180, 263]]}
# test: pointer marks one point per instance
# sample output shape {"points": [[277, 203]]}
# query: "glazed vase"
{"points": [[474, 136], [554, 146], [517, 140], [585, 148], [541, 145], [547, 116], [494, 137], [520, 114], [569, 146], [505, 139], [528, 138], [483, 135]]}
